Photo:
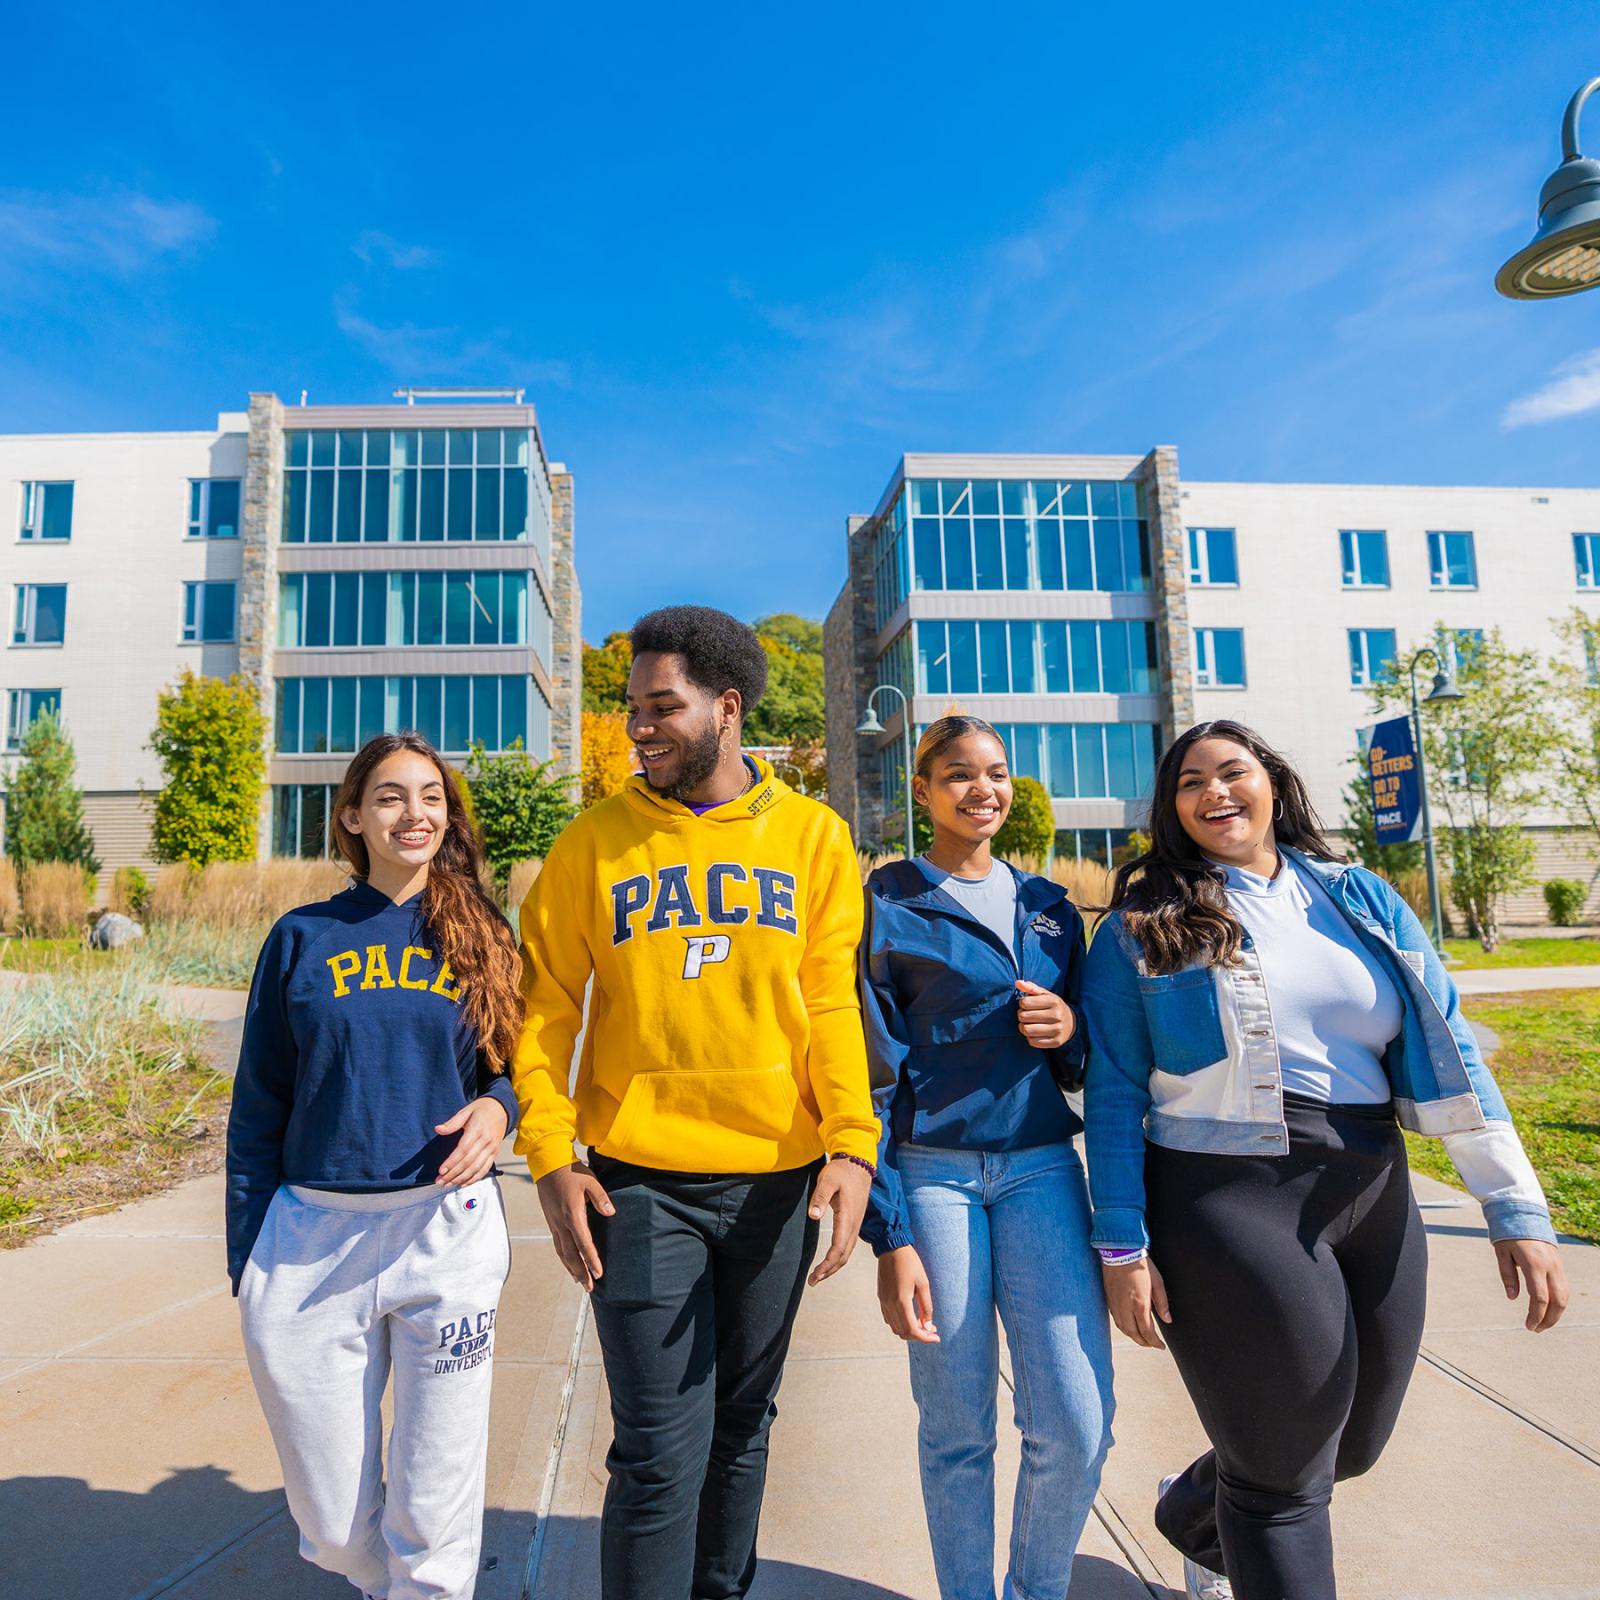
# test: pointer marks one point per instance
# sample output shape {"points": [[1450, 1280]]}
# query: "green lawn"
{"points": [[51, 955], [1548, 1066], [1469, 955]]}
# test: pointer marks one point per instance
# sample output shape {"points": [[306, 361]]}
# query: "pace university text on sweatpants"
{"points": [[340, 1289]]}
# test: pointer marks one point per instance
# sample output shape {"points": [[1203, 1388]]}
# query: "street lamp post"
{"points": [[1564, 255], [1444, 688], [871, 726]]}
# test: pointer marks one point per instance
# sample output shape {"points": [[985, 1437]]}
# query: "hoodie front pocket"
{"points": [[1185, 1020], [720, 1120]]}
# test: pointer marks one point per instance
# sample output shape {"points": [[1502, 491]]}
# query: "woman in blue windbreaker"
{"points": [[1262, 1017], [970, 977]]}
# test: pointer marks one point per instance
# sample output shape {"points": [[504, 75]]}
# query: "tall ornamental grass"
{"points": [[91, 1059], [519, 883], [10, 897], [55, 899], [206, 926]]}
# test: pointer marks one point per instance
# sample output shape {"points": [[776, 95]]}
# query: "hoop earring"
{"points": [[1277, 809]]}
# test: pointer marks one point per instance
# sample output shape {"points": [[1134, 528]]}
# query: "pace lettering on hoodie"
{"points": [[724, 1030]]}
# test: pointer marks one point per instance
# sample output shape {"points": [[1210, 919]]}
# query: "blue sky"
{"points": [[742, 257]]}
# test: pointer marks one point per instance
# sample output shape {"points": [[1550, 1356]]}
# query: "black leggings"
{"points": [[1297, 1286]]}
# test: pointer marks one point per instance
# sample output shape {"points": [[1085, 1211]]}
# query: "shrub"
{"points": [[1030, 826], [1564, 897], [10, 902], [55, 899], [210, 738], [44, 808], [522, 805], [519, 882], [130, 888]]}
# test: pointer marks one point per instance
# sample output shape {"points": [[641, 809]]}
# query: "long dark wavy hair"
{"points": [[1172, 897], [472, 935]]}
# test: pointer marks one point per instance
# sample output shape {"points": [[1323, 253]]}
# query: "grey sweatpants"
{"points": [[339, 1290]]}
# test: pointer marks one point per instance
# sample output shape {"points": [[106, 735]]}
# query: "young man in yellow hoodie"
{"points": [[722, 1093]]}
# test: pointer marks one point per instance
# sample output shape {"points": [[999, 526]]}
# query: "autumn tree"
{"points": [[605, 673], [607, 755]]}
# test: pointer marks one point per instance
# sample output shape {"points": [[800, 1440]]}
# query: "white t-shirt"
{"points": [[1334, 1007], [992, 899]]}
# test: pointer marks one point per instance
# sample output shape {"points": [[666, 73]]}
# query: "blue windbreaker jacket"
{"points": [[939, 1002]]}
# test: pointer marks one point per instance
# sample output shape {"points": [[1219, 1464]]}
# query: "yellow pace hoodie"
{"points": [[724, 1029]]}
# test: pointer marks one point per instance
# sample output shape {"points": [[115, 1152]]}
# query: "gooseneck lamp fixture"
{"points": [[1564, 256], [871, 728]]}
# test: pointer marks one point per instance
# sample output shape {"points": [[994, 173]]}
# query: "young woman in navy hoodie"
{"points": [[970, 981], [366, 1238]]}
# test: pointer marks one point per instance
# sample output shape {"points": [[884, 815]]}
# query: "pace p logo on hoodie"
{"points": [[724, 1025]]}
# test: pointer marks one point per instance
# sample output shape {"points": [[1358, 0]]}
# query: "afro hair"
{"points": [[719, 652]]}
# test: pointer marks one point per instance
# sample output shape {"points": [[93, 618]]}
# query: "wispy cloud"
{"points": [[411, 350], [120, 233], [375, 248], [1574, 389]]}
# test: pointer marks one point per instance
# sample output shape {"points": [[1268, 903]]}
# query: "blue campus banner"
{"points": [[1391, 756]]}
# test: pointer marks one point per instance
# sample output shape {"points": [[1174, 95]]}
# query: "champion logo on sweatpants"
{"points": [[470, 1205]]}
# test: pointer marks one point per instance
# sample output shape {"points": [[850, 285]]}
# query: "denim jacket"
{"points": [[1189, 1060], [939, 1002]]}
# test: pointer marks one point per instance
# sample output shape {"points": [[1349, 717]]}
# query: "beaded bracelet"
{"points": [[1111, 1257], [860, 1161]]}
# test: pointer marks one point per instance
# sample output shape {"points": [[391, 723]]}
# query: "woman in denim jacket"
{"points": [[969, 976], [1260, 1017]]}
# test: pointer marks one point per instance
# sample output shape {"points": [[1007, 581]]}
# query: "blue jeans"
{"points": [[1008, 1232]]}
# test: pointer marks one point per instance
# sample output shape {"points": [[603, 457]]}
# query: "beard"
{"points": [[696, 764]]}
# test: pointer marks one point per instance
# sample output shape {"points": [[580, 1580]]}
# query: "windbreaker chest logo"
{"points": [[678, 898]]}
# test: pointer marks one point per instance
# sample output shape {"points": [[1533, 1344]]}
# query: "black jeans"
{"points": [[703, 1276], [1297, 1286]]}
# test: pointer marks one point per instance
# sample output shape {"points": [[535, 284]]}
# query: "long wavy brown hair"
{"points": [[473, 937], [1172, 897]]}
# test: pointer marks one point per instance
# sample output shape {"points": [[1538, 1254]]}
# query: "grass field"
{"points": [[1548, 1066], [1470, 956]]}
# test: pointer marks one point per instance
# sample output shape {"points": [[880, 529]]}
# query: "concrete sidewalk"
{"points": [[1506, 980], [136, 1464]]}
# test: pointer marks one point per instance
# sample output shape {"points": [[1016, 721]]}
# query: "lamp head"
{"points": [[869, 726], [1564, 254], [1444, 687]]}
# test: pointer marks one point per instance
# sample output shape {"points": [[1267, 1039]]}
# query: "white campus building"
{"points": [[366, 568], [1094, 606]]}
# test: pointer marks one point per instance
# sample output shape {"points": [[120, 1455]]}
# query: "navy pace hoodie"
{"points": [[356, 1044]]}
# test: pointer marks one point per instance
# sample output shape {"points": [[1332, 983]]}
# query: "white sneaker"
{"points": [[1199, 1583]]}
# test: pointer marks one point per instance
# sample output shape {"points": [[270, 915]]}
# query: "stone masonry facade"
{"points": [[566, 669], [855, 783], [1169, 563], [258, 582]]}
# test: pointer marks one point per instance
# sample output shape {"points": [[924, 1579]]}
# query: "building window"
{"points": [[1452, 561], [1364, 553], [214, 508], [1586, 554], [891, 562], [1372, 652], [1085, 760], [992, 657], [47, 511], [336, 716], [1109, 846], [349, 609], [208, 612], [24, 707], [41, 614], [380, 485], [971, 534], [300, 817], [1219, 658], [1213, 558], [1457, 647]]}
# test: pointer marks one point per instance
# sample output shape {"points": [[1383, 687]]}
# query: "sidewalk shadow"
{"points": [[69, 1541], [570, 1570]]}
